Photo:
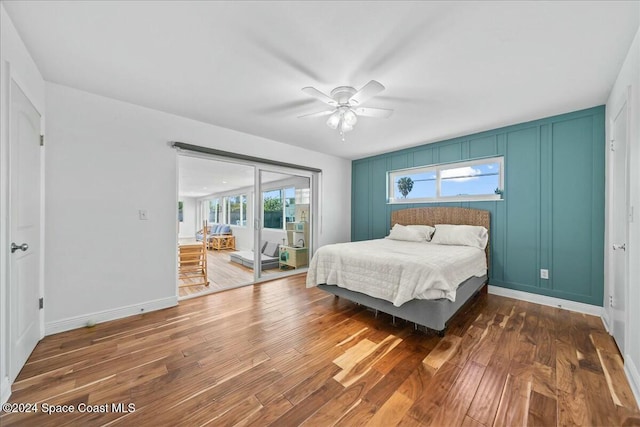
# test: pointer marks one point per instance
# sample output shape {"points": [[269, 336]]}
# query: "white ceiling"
{"points": [[450, 68], [198, 177]]}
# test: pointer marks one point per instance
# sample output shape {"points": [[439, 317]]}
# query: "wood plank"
{"points": [[603, 341], [267, 414], [470, 340], [542, 410], [264, 355], [312, 383], [572, 409], [358, 415], [364, 363], [513, 409], [530, 324], [445, 349], [487, 344], [409, 421], [416, 384], [544, 380], [602, 410], [237, 413], [390, 382], [619, 389], [545, 339], [303, 410], [484, 406], [351, 357], [470, 422], [341, 404], [392, 411], [429, 403], [413, 343], [460, 396]]}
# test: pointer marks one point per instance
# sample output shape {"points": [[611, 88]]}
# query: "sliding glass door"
{"points": [[256, 221], [283, 211]]}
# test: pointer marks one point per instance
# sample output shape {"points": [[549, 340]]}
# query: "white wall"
{"points": [[17, 64], [630, 77], [107, 159], [187, 228]]}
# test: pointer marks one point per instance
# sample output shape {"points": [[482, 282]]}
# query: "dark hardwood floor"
{"points": [[282, 355]]}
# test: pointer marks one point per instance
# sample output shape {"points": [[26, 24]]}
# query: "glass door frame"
{"points": [[315, 219], [258, 213]]}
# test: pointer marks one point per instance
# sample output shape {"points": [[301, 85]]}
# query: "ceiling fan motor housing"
{"points": [[342, 94]]}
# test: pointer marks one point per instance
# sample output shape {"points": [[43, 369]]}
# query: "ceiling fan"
{"points": [[346, 105]]}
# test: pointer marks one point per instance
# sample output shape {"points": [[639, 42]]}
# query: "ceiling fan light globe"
{"points": [[346, 127], [350, 118], [334, 120]]}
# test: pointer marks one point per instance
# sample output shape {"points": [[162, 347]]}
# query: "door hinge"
{"points": [[41, 303], [42, 140], [613, 145]]}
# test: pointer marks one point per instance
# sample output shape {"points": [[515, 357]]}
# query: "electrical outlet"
{"points": [[544, 273], [143, 215]]}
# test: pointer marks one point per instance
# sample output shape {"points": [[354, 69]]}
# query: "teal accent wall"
{"points": [[552, 214]]}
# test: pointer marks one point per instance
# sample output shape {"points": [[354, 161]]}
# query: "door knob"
{"points": [[23, 247]]}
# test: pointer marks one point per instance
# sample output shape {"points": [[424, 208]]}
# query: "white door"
{"points": [[24, 211], [619, 230]]}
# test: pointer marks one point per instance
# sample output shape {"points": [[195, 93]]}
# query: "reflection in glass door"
{"points": [[283, 209]]}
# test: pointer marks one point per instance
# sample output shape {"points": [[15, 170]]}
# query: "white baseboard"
{"points": [[5, 390], [545, 300], [106, 315], [633, 376], [606, 321]]}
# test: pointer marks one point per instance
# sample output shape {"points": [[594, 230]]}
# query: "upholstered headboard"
{"points": [[444, 215]]}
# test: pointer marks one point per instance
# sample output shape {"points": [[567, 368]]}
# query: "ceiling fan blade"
{"points": [[312, 91], [373, 112], [318, 114], [367, 91]]}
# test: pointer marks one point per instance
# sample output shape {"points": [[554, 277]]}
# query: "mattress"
{"points": [[397, 271], [246, 258]]}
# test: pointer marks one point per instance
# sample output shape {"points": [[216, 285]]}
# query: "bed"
{"points": [[421, 282]]}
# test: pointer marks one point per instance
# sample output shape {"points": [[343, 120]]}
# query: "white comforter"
{"points": [[396, 271]]}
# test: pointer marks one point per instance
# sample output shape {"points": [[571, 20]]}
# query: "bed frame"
{"points": [[431, 314]]}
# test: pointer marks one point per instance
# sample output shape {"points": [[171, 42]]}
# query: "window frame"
{"points": [[243, 210], [283, 199], [438, 168], [218, 213]]}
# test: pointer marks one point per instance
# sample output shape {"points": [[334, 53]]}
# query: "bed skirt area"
{"points": [[432, 314]]}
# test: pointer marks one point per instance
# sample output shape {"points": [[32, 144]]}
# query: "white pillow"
{"points": [[427, 230], [400, 232], [461, 235]]}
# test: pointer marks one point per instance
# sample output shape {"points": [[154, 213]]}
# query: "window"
{"points": [[279, 207], [236, 210], [473, 180], [215, 211]]}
